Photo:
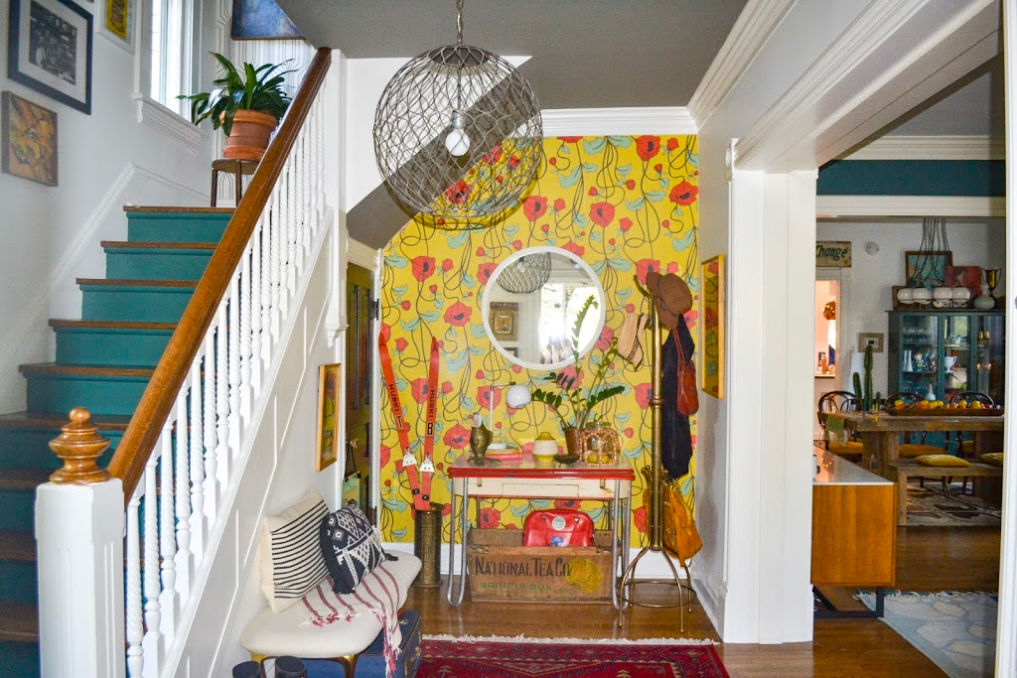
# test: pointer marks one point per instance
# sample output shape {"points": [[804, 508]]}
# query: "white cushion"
{"points": [[291, 560], [291, 633]]}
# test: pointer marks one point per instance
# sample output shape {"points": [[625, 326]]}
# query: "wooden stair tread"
{"points": [[175, 209], [131, 282], [19, 623], [157, 245], [17, 545], [84, 370], [54, 420], [22, 478], [110, 325]]}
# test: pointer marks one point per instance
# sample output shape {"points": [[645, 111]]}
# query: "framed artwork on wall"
{"points": [[50, 50], [261, 20], [29, 139], [329, 378], [873, 339], [118, 23], [965, 276], [712, 301], [504, 317], [922, 269]]}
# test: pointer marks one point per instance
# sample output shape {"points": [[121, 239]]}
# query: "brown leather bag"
{"points": [[680, 535], [688, 394]]}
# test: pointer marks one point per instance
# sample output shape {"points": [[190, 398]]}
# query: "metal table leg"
{"points": [[464, 528]]}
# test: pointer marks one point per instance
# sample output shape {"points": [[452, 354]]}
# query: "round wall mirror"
{"points": [[531, 303]]}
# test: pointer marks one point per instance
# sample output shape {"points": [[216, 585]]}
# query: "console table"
{"points": [[526, 479]]}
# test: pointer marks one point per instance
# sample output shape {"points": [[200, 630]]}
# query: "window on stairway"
{"points": [[171, 52]]}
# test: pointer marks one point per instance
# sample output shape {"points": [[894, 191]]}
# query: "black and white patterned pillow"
{"points": [[350, 547], [291, 565]]}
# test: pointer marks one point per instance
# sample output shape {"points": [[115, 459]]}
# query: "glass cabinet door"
{"points": [[957, 359], [919, 354], [988, 368]]}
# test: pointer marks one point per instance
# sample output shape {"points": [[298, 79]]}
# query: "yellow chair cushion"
{"points": [[941, 460], [915, 450], [850, 448], [993, 458]]}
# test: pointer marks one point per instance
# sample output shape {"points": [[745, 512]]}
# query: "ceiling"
{"points": [[584, 53]]}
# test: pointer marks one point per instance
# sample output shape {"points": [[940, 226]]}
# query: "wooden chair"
{"points": [[909, 449], [839, 401], [966, 448]]}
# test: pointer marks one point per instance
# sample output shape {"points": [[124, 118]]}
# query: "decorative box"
{"points": [[371, 662]]}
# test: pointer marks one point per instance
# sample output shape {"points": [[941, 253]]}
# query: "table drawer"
{"points": [[573, 488]]}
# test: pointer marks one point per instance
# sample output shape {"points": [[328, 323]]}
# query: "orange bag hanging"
{"points": [[688, 394], [680, 535]]}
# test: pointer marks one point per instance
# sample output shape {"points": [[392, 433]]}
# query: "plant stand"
{"points": [[238, 168], [655, 517]]}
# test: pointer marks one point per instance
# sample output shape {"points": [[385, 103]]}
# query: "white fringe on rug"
{"points": [[574, 641]]}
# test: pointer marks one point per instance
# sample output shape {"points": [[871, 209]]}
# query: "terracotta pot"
{"points": [[249, 136], [573, 441]]}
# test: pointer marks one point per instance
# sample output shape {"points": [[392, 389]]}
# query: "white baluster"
{"points": [[134, 631], [222, 398], [152, 643], [275, 258], [293, 226], [246, 333], [208, 427], [182, 497], [256, 310], [266, 284], [167, 542], [233, 332], [197, 469]]}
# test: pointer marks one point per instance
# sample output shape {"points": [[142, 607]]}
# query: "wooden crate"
{"points": [[502, 569]]}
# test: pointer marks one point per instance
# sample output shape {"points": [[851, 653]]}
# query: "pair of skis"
{"points": [[420, 482]]}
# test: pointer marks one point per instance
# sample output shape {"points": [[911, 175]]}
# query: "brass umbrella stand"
{"points": [[652, 473]]}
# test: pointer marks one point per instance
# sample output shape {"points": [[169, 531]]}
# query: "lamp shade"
{"points": [[517, 396]]}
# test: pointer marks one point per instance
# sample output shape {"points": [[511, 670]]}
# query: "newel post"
{"points": [[79, 525]]}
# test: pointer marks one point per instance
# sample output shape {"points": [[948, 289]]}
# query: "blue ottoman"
{"points": [[371, 662]]}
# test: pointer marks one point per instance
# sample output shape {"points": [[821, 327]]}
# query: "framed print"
{"points": [[923, 269], [329, 377], [118, 22], [29, 139], [50, 50], [873, 339], [833, 253], [712, 301], [261, 20], [965, 276], [504, 319]]}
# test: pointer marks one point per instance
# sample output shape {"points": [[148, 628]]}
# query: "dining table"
{"points": [[881, 433]]}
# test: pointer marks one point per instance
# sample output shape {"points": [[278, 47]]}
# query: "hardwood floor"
{"points": [[928, 559]]}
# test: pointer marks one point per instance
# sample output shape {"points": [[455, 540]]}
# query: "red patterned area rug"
{"points": [[535, 658]]}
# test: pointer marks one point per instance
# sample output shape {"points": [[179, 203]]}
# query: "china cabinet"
{"points": [[942, 352]]}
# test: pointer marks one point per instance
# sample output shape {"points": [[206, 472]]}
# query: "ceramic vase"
{"points": [[985, 301]]}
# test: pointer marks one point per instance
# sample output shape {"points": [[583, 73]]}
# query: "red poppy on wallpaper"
{"points": [[457, 437], [647, 146], [684, 194], [458, 314], [459, 193], [401, 344], [570, 140], [384, 455], [604, 340], [624, 223], [419, 389], [575, 249], [446, 264], [602, 213], [423, 267], [485, 270], [490, 517], [672, 144], [534, 207], [487, 394], [559, 204], [644, 266], [643, 392]]}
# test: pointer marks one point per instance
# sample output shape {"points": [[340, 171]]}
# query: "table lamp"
{"points": [[516, 396]]}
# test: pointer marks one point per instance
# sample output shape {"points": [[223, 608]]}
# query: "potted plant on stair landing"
{"points": [[246, 103]]}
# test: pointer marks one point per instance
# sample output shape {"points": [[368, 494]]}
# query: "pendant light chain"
{"points": [[459, 23]]}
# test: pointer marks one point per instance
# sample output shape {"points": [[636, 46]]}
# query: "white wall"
{"points": [[867, 285], [51, 234]]}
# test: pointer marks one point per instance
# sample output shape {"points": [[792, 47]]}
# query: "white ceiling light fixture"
{"points": [[457, 132]]}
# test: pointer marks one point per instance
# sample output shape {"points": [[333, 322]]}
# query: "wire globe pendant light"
{"points": [[457, 132]]}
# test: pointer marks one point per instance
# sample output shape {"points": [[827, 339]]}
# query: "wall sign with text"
{"points": [[830, 253]]}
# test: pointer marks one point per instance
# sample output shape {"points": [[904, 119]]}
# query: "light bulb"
{"points": [[457, 143]]}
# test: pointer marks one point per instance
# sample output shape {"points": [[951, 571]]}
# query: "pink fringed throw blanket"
{"points": [[378, 594]]}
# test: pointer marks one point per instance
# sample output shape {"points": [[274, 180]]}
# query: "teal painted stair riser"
{"points": [[175, 227], [101, 394], [17, 509], [24, 448], [18, 581], [144, 304], [145, 264], [110, 347]]}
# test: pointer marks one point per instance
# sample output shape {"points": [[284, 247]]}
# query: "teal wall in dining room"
{"points": [[981, 178]]}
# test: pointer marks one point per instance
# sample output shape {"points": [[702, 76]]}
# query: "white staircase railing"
{"points": [[182, 454]]}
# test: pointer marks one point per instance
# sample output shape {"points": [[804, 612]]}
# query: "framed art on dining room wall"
{"points": [[327, 439], [50, 50]]}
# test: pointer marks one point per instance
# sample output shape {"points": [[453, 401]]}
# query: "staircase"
{"points": [[103, 362]]}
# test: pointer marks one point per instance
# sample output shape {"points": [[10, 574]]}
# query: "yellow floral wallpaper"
{"points": [[626, 205]]}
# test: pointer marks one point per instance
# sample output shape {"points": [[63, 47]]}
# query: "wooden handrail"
{"points": [[157, 401]]}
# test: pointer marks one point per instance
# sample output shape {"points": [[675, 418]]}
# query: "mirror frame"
{"points": [[485, 306]]}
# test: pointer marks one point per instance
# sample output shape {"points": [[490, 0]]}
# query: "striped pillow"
{"points": [[291, 561]]}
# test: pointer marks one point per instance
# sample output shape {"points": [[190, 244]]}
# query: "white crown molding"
{"points": [[748, 35], [362, 255], [850, 206], [906, 147], [153, 114], [618, 121]]}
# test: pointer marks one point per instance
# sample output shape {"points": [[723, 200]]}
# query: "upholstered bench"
{"points": [[305, 618], [906, 469]]}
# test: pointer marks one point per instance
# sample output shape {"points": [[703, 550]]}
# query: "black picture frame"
{"points": [[49, 49]]}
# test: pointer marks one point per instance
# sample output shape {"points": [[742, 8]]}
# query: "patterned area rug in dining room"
{"points": [[929, 507], [548, 658]]}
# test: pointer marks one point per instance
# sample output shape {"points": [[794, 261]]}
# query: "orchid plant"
{"points": [[574, 405]]}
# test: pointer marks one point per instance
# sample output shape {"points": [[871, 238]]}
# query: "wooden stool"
{"points": [[238, 168]]}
